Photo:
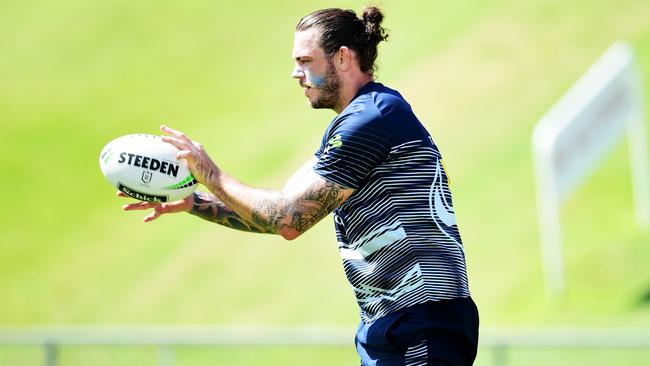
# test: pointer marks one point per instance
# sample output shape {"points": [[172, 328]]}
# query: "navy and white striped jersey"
{"points": [[397, 232]]}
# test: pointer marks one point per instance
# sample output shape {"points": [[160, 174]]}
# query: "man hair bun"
{"points": [[340, 27], [372, 18]]}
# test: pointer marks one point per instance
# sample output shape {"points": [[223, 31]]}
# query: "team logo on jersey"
{"points": [[333, 143], [440, 207]]}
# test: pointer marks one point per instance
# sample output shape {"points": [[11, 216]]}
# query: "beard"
{"points": [[329, 90]]}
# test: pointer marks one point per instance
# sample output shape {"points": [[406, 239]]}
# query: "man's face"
{"points": [[315, 72]]}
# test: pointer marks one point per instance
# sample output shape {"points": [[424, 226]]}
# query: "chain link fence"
{"points": [[198, 346]]}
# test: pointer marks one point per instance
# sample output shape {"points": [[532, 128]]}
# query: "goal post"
{"points": [[573, 137]]}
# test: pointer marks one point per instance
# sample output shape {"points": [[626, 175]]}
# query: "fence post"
{"points": [[166, 356], [51, 354], [499, 355]]}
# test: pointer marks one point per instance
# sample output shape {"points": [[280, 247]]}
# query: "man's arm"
{"points": [[304, 201], [201, 204], [315, 198], [208, 207]]}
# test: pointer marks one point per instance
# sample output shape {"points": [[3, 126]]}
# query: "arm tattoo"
{"points": [[208, 207], [299, 214]]}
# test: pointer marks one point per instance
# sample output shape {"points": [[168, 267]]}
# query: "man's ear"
{"points": [[344, 58]]}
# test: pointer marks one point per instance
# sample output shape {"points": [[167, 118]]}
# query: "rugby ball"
{"points": [[145, 167]]}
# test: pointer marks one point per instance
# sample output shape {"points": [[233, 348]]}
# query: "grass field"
{"points": [[76, 74]]}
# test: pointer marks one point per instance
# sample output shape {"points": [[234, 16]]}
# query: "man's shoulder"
{"points": [[387, 102], [371, 103], [379, 109], [385, 109]]}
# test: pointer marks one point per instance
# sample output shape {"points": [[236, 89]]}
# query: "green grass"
{"points": [[76, 74]]}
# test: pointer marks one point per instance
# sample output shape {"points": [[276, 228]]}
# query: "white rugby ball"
{"points": [[145, 167]]}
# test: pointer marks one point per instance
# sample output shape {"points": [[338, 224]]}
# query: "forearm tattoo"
{"points": [[208, 207], [298, 214]]}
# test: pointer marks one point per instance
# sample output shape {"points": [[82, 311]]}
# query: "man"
{"points": [[381, 174]]}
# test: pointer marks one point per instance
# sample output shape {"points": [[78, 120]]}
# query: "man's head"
{"points": [[335, 54]]}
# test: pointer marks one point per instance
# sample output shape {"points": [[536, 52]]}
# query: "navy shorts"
{"points": [[432, 333]]}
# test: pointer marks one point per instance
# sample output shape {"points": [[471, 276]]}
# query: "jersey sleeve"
{"points": [[350, 150]]}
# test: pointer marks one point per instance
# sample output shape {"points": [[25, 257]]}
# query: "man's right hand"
{"points": [[159, 208]]}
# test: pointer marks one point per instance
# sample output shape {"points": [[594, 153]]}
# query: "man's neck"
{"points": [[350, 90]]}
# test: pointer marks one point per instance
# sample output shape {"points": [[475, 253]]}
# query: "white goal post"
{"points": [[573, 137]]}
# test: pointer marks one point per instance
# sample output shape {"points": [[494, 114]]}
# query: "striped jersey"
{"points": [[397, 233]]}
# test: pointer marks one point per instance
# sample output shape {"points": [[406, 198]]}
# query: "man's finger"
{"points": [[140, 206], [152, 216], [178, 143], [178, 134], [185, 154], [169, 130]]}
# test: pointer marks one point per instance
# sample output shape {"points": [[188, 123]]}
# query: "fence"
{"points": [[496, 345]]}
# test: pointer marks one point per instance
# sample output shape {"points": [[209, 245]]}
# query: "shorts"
{"points": [[432, 333]]}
